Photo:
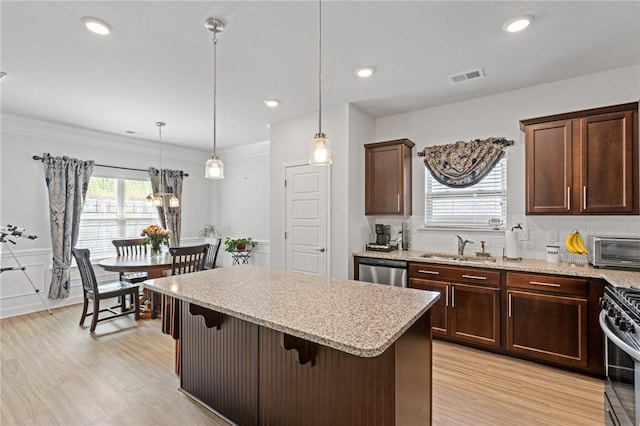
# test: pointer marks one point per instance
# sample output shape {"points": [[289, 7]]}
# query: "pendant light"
{"points": [[158, 198], [320, 147], [214, 169]]}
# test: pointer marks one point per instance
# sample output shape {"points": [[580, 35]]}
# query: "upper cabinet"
{"points": [[584, 162], [388, 178]]}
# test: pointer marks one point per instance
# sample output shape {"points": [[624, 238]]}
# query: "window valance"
{"points": [[462, 164]]}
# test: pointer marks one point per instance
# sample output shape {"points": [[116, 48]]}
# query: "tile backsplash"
{"points": [[537, 233]]}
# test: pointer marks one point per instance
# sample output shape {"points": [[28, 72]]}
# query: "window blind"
{"points": [[114, 209], [467, 207]]}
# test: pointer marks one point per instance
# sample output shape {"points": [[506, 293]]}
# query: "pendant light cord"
{"points": [[320, 68], [160, 125], [215, 74]]}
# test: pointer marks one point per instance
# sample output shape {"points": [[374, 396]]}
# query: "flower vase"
{"points": [[155, 250]]}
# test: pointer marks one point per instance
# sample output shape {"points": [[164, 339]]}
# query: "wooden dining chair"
{"points": [[185, 260], [188, 259], [212, 254], [97, 292], [129, 247]]}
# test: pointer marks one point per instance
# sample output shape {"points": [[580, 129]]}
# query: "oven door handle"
{"points": [[633, 353]]}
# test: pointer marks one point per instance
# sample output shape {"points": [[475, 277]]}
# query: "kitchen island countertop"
{"points": [[355, 317]]}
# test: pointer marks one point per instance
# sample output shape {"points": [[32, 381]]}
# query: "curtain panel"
{"points": [[67, 181], [462, 164], [170, 217]]}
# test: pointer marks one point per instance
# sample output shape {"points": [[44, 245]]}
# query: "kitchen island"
{"points": [[262, 346]]}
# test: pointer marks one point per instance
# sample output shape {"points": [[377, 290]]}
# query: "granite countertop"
{"points": [[356, 317], [618, 278]]}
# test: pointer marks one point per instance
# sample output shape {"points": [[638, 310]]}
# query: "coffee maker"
{"points": [[383, 239], [383, 234]]}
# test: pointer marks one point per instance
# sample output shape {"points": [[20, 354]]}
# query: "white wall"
{"points": [[289, 144], [243, 205], [499, 115], [361, 131], [24, 199]]}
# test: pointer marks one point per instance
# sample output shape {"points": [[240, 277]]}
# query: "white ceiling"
{"points": [[158, 63]]}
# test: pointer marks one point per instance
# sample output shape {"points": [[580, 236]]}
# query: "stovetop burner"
{"points": [[623, 307]]}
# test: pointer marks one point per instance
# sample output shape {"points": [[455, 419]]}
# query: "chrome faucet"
{"points": [[461, 244]]}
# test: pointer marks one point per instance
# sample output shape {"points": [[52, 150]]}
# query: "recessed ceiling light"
{"points": [[364, 72], [271, 103], [96, 25], [518, 23]]}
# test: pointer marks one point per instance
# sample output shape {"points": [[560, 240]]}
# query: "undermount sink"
{"points": [[444, 256]]}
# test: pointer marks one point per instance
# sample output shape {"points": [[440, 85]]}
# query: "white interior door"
{"points": [[306, 219]]}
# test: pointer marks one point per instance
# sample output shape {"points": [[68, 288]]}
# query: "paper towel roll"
{"points": [[511, 251]]}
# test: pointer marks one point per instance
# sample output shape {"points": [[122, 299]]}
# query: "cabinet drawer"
{"points": [[546, 283], [476, 276]]}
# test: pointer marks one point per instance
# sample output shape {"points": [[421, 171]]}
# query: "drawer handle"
{"points": [[509, 305], [446, 296], [474, 277], [422, 271], [545, 284]]}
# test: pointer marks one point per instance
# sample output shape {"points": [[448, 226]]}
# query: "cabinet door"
{"points": [[547, 327], [388, 178], [607, 158], [475, 314], [439, 311], [548, 167]]}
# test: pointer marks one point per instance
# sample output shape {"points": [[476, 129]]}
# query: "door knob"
{"points": [[321, 249]]}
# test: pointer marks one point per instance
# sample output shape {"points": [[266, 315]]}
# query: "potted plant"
{"points": [[209, 233], [238, 244]]}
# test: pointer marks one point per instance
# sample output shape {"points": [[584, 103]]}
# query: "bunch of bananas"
{"points": [[574, 243]]}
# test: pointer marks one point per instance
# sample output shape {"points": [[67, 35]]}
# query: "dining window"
{"points": [[470, 207], [114, 208]]}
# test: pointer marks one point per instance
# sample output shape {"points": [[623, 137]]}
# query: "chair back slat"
{"points": [[130, 246], [87, 275], [188, 259], [212, 254]]}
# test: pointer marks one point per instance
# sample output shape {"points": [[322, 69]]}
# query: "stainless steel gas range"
{"points": [[620, 322]]}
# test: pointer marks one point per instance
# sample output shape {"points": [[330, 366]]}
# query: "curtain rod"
{"points": [[38, 158]]}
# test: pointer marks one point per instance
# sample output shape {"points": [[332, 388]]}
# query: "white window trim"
{"points": [[467, 226]]}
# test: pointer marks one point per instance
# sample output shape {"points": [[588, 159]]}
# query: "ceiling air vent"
{"points": [[469, 75]]}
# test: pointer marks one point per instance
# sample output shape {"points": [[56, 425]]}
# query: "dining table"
{"points": [[153, 265]]}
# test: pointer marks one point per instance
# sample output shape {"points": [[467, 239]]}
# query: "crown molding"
{"points": [[245, 151], [70, 134]]}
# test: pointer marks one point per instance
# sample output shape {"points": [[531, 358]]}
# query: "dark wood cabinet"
{"points": [[475, 314], [584, 162], [469, 305], [547, 318], [388, 177]]}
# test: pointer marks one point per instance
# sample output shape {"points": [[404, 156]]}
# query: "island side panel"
{"points": [[338, 389], [220, 366], [414, 374]]}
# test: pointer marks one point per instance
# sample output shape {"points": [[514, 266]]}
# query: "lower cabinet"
{"points": [[547, 318], [465, 311], [475, 314]]}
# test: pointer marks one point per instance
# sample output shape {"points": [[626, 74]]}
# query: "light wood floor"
{"points": [[53, 372]]}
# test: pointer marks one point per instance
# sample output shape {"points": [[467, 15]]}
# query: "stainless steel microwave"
{"points": [[616, 252]]}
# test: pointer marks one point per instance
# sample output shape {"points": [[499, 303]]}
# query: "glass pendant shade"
{"points": [[214, 169], [174, 202], [320, 150]]}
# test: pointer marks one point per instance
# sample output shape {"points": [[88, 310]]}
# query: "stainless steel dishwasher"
{"points": [[383, 271]]}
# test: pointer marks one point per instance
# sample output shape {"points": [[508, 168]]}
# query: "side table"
{"points": [[241, 257]]}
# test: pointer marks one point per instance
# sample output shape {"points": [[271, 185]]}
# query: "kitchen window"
{"points": [[470, 207], [114, 208]]}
